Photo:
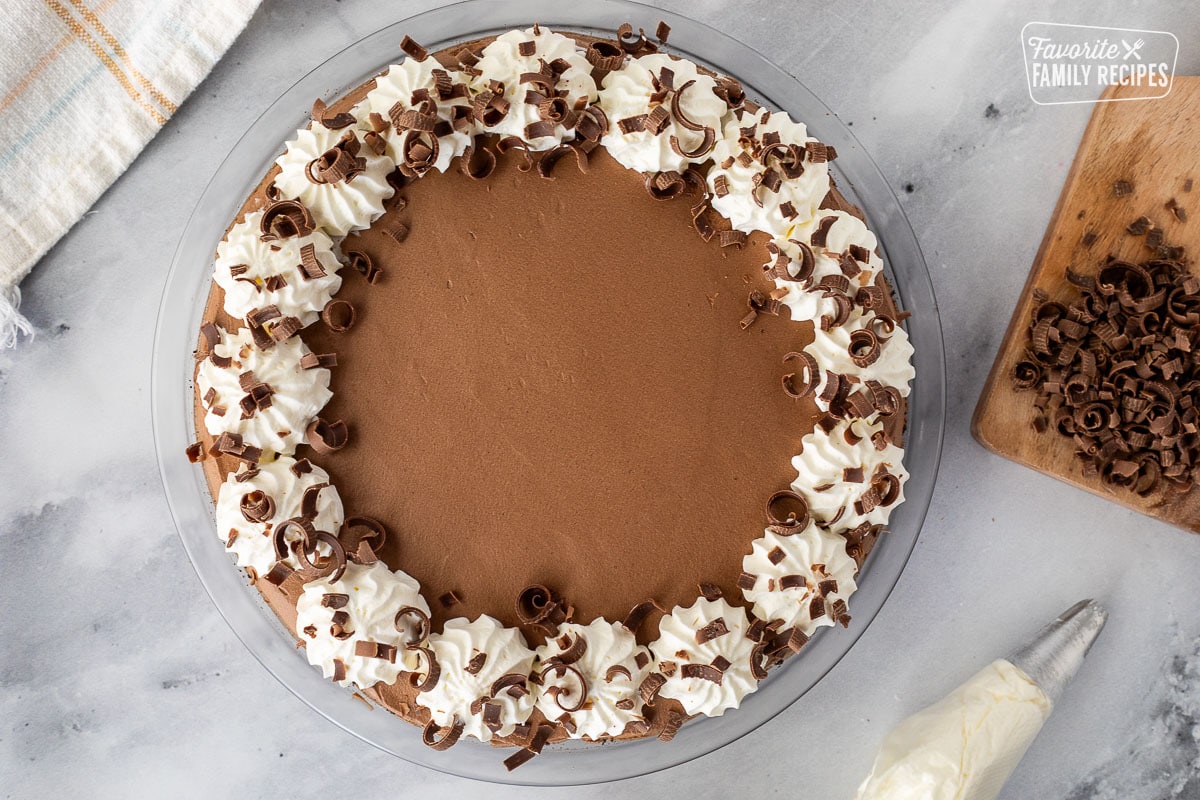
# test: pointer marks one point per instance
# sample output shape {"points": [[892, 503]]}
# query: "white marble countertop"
{"points": [[119, 678]]}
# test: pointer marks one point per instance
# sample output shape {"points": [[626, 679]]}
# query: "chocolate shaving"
{"points": [[558, 692], [615, 670], [551, 157], [476, 663], [705, 672], [433, 671], [821, 233], [284, 219], [339, 315], [732, 238], [637, 615], [332, 566], [339, 163], [605, 56], [257, 506], [335, 600], [231, 444], [417, 53], [671, 726], [650, 686], [796, 517], [314, 361], [534, 604], [518, 758], [326, 437], [710, 591], [477, 163], [711, 631], [362, 264], [422, 629], [279, 573], [195, 452], [449, 599], [1122, 188], [339, 670], [573, 651], [442, 738], [1114, 370], [516, 143], [332, 121], [380, 650]]}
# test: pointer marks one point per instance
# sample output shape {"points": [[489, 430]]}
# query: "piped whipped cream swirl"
{"points": [[297, 394], [764, 177], [255, 274], [835, 470], [609, 666], [832, 350], [369, 597], [704, 633], [393, 94], [337, 206], [460, 692], [633, 91], [503, 61], [800, 578], [249, 537]]}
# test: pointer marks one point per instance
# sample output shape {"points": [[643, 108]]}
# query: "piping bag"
{"points": [[965, 746]]}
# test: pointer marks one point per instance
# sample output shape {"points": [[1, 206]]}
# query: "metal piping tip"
{"points": [[1055, 654]]}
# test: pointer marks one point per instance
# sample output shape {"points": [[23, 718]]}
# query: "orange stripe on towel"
{"points": [[92, 18], [86, 38]]}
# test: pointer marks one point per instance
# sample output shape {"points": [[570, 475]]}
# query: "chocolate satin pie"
{"points": [[549, 389]]}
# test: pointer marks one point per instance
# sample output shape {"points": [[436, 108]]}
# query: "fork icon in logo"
{"points": [[1132, 49]]}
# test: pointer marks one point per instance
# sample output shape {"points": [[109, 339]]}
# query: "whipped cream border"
{"points": [[339, 212]]}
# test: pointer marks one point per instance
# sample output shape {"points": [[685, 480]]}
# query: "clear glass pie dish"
{"points": [[187, 290]]}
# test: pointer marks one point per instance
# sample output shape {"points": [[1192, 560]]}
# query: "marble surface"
{"points": [[118, 677]]}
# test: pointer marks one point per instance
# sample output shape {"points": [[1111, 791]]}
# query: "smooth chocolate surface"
{"points": [[549, 385]]}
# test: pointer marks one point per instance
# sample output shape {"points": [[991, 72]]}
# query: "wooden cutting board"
{"points": [[1155, 146]]}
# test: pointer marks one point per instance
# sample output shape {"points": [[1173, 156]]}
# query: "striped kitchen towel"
{"points": [[108, 72]]}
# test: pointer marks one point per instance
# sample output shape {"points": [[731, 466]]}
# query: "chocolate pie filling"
{"points": [[549, 385]]}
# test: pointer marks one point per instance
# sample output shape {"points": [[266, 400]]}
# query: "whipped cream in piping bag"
{"points": [[965, 746]]}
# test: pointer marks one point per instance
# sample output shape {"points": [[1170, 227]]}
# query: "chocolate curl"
{"points": [[558, 692], [442, 738], [326, 437], [477, 163], [363, 538], [284, 219], [551, 157], [796, 516], [423, 626], [339, 315], [332, 566]]}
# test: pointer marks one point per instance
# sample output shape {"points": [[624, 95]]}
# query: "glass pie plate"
{"points": [[187, 289]]}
